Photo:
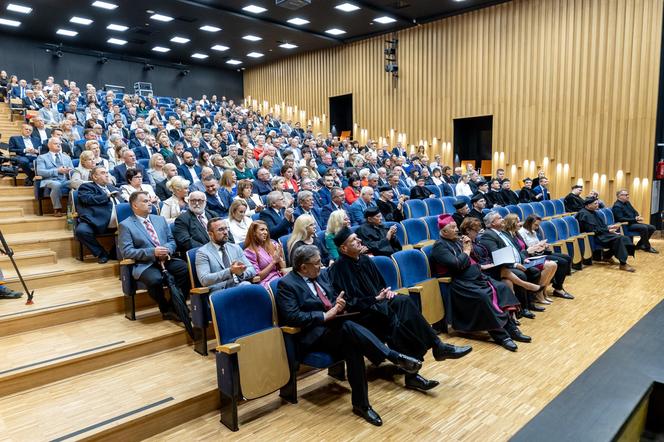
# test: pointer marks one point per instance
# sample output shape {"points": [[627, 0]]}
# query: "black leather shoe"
{"points": [[508, 344], [651, 250], [527, 314], [369, 415], [420, 383], [537, 308], [447, 351], [103, 259], [517, 335], [562, 294], [170, 316], [407, 364]]}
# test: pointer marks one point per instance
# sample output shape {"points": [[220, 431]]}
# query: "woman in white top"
{"points": [[238, 221], [81, 173], [252, 200], [462, 187], [156, 168], [436, 176], [177, 203], [134, 184]]}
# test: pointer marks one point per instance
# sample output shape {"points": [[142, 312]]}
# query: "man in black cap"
{"points": [[479, 203], [494, 196], [509, 197], [391, 211], [605, 236], [379, 240], [573, 201], [526, 194], [461, 212], [394, 319], [624, 212]]}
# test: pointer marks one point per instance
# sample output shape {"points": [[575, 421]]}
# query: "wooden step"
{"points": [[9, 182], [30, 258], [127, 401], [11, 212], [31, 223], [66, 302], [17, 191], [60, 241], [25, 202], [46, 355], [66, 270]]}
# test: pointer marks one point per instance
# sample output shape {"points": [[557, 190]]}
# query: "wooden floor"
{"points": [[487, 395]]}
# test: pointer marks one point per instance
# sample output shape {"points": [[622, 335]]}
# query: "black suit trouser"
{"points": [[644, 231], [564, 263], [531, 274], [25, 165], [86, 234], [620, 247], [352, 342], [154, 281]]}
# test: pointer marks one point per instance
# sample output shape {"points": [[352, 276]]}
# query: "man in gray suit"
{"points": [[54, 168], [220, 264], [148, 240]]}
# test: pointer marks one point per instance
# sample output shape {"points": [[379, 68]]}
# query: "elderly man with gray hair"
{"points": [[305, 206], [278, 218], [190, 229]]}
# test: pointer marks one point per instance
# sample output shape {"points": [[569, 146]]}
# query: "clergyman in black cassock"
{"points": [[395, 319], [376, 236], [624, 212], [620, 246]]}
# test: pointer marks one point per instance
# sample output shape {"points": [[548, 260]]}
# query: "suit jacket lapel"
{"points": [[141, 228], [215, 252]]}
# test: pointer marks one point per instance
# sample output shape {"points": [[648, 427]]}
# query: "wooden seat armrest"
{"points": [[559, 243], [588, 234], [547, 218], [421, 244], [229, 349], [445, 279], [290, 330], [416, 289], [200, 290], [127, 262]]}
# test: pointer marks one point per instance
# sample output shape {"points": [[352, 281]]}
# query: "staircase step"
{"points": [[11, 212], [31, 258], [25, 202], [17, 191], [75, 348], [127, 401], [31, 223], [64, 271], [60, 241], [9, 182], [61, 303]]}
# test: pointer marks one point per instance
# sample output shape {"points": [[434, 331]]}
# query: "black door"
{"points": [[472, 139], [341, 114]]}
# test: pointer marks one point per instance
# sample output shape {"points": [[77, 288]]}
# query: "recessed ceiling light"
{"points": [[180, 40], [117, 41], [254, 55], [80, 20], [66, 32], [199, 56], [114, 27], [161, 17], [347, 7], [287, 46], [335, 31], [18, 8], [384, 20], [298, 21], [220, 48], [254, 9], [6, 22], [160, 49], [252, 38], [104, 5], [209, 28], [233, 61]]}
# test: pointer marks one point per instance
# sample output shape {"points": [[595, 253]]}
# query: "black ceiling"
{"points": [[272, 26]]}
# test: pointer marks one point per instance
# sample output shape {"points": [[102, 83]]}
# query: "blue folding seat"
{"points": [[416, 230], [200, 305], [283, 240], [415, 209], [434, 206], [559, 206], [435, 190], [515, 210], [549, 208], [448, 203], [432, 226], [388, 270], [502, 210], [526, 209], [538, 208]]}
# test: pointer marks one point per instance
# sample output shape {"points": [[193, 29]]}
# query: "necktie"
{"points": [[201, 218], [326, 302], [224, 257], [151, 232], [58, 160]]}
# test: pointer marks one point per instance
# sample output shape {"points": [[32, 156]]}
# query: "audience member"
{"points": [[251, 200], [26, 149], [336, 203], [161, 189], [391, 210], [264, 254], [526, 194], [190, 229], [478, 202], [379, 239], [624, 212], [134, 180], [357, 209], [238, 221], [177, 202], [573, 201], [81, 173], [278, 219], [509, 196], [541, 191], [215, 202], [304, 233], [305, 203], [338, 220], [461, 210], [420, 191], [54, 168], [7, 293]]}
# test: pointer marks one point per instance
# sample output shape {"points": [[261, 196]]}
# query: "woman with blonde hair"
{"points": [[304, 233], [81, 173], [156, 167], [338, 219], [238, 221], [462, 187], [263, 253], [177, 203]]}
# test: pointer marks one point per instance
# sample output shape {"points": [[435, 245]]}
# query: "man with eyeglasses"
{"points": [[279, 220], [624, 212], [221, 264], [191, 226]]}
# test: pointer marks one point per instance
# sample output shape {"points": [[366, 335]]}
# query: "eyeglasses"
{"points": [[196, 201]]}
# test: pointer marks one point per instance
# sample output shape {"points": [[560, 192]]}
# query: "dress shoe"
{"points": [[58, 213], [517, 335], [527, 314], [7, 293], [28, 182], [103, 259], [508, 344], [420, 383], [369, 415], [407, 364], [537, 308], [444, 351], [562, 294], [651, 250], [627, 268], [578, 266], [170, 316]]}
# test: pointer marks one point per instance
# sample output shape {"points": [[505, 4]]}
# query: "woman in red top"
{"points": [[290, 183], [352, 191]]}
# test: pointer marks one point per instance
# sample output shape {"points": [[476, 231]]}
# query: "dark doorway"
{"points": [[472, 139], [341, 114]]}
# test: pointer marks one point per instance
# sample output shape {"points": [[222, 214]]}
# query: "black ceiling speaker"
{"points": [[293, 4]]}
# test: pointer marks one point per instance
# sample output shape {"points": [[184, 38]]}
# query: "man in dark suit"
{"points": [[509, 196], [147, 239], [573, 201], [325, 191], [79, 146], [191, 226], [278, 219], [216, 202], [305, 206], [261, 185], [40, 132], [189, 170], [29, 101], [624, 212], [160, 189], [130, 162], [306, 299], [140, 145], [336, 203], [96, 212], [309, 185], [26, 149], [479, 203]]}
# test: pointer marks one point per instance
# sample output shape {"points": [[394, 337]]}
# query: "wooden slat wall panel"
{"points": [[572, 81]]}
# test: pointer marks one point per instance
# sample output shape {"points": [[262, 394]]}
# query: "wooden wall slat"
{"points": [[572, 80]]}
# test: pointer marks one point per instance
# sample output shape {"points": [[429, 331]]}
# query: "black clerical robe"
{"points": [[621, 246], [478, 301], [526, 195], [474, 213], [573, 202], [494, 198], [390, 211], [509, 197], [397, 321], [375, 239]]}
